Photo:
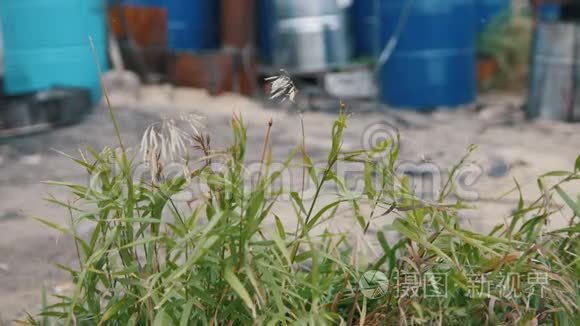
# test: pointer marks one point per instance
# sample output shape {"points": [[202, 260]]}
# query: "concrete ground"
{"points": [[508, 147]]}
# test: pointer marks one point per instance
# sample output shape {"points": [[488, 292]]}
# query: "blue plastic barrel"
{"points": [[193, 24], [433, 63], [488, 10], [47, 44], [266, 19], [364, 25], [549, 12], [139, 3]]}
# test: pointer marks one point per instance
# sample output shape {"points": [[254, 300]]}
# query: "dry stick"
{"points": [[353, 309], [266, 143]]}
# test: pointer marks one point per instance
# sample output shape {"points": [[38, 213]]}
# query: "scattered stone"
{"points": [[123, 87], [429, 157], [156, 95], [121, 81], [63, 288], [410, 120], [10, 215], [498, 168], [34, 159], [183, 196]]}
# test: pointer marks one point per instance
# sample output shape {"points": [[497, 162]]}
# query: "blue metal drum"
{"points": [[364, 24], [193, 24], [266, 21], [433, 63], [488, 10], [47, 44], [139, 3], [549, 12]]}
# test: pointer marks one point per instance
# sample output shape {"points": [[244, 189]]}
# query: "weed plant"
{"points": [[226, 258]]}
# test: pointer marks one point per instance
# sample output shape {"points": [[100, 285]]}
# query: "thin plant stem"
{"points": [[265, 149], [78, 252], [106, 95], [303, 153]]}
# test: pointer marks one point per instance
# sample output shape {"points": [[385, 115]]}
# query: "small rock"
{"points": [[125, 82], [10, 215], [34, 159], [183, 196], [498, 168], [63, 288], [4, 267], [122, 87], [157, 95], [496, 113]]}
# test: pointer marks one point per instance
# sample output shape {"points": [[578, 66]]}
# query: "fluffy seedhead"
{"points": [[173, 140], [282, 87]]}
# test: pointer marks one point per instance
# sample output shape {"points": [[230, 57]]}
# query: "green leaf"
{"points": [[256, 201], [239, 288], [54, 226], [577, 164], [112, 311], [369, 187], [401, 227], [569, 201], [298, 201], [383, 242], [133, 320], [162, 319], [186, 314], [280, 228], [322, 211], [282, 247], [556, 174], [572, 229], [358, 215], [518, 214], [310, 168]]}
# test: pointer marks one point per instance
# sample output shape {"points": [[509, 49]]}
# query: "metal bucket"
{"points": [[310, 36], [555, 72], [306, 8]]}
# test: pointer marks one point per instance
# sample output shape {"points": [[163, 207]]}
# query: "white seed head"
{"points": [[169, 141], [282, 87]]}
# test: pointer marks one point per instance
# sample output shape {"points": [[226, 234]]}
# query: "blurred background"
{"points": [[389, 51], [503, 75]]}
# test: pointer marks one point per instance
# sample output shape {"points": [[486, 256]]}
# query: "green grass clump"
{"points": [[152, 261]]}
